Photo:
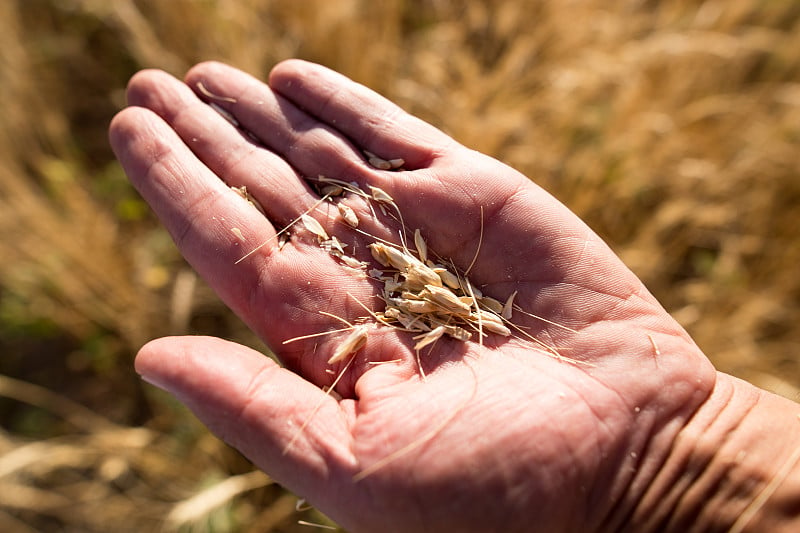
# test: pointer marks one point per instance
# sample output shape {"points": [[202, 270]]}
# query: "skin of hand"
{"points": [[503, 436]]}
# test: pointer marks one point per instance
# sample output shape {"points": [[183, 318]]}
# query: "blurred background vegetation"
{"points": [[672, 127]]}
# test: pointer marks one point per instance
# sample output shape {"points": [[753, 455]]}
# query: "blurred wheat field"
{"points": [[672, 128]]}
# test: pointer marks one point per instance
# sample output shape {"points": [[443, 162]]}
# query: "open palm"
{"points": [[508, 434]]}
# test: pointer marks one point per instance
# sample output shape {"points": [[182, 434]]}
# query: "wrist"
{"points": [[735, 465]]}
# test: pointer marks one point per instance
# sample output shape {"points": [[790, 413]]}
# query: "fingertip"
{"points": [[144, 84], [116, 128], [147, 364], [188, 364], [293, 74], [126, 125], [206, 69], [289, 69], [142, 76], [207, 66]]}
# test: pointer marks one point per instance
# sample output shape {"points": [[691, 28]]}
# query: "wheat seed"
{"points": [[422, 246], [428, 338], [508, 308], [348, 215], [244, 193], [377, 162], [313, 225], [380, 196], [353, 343]]}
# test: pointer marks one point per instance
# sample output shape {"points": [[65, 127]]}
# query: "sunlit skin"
{"points": [[576, 434]]}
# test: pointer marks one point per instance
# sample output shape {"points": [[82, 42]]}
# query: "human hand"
{"points": [[506, 434]]}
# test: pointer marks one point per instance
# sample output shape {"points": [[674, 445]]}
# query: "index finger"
{"points": [[209, 222]]}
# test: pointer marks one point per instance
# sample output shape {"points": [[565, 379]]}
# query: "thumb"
{"points": [[261, 409]]}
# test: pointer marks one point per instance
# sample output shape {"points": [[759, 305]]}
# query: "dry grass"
{"points": [[672, 129]]}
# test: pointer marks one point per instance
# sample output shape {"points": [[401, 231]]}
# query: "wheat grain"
{"points": [[422, 246], [313, 225], [508, 307], [348, 215], [245, 194], [352, 344], [377, 162]]}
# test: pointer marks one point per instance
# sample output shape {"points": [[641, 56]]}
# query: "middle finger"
{"points": [[312, 147], [227, 152]]}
